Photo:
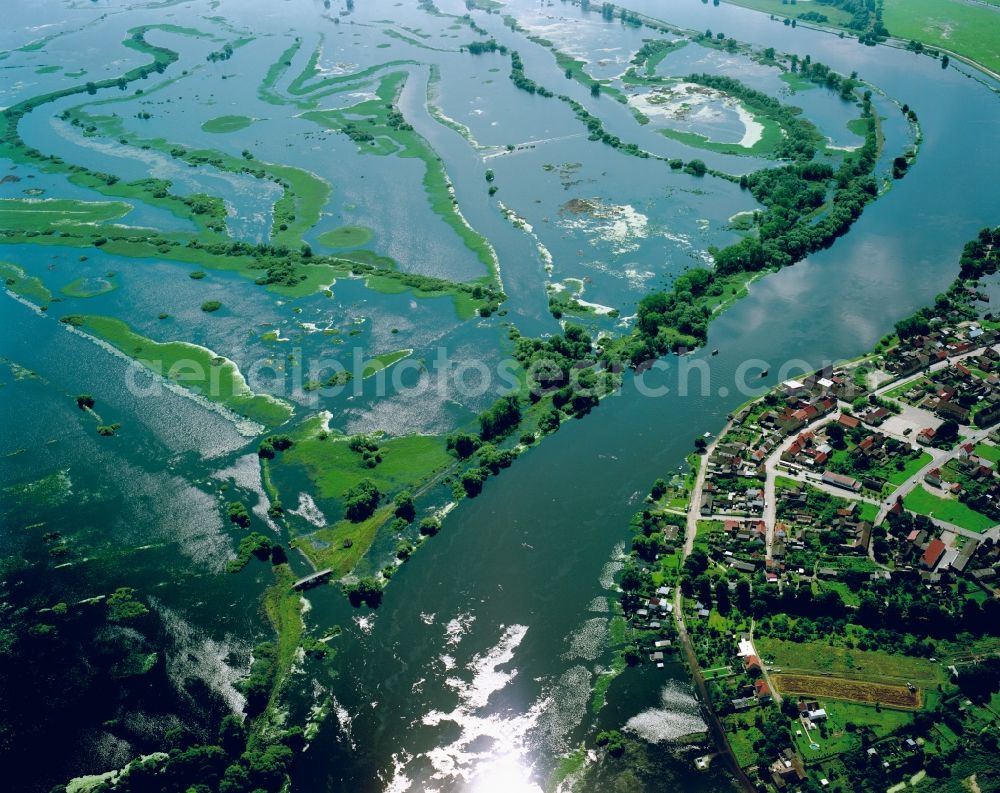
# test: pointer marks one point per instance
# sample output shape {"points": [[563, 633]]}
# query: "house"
{"points": [[794, 388], [707, 502], [743, 567], [762, 690], [933, 477], [841, 481], [819, 714], [949, 410], [848, 422], [926, 436], [752, 663], [932, 555], [966, 554], [743, 703]]}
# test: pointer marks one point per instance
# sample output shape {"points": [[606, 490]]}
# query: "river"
{"points": [[475, 672]]}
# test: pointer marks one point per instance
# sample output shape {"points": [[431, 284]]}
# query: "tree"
{"points": [[473, 481], [84, 401], [948, 431], [595, 89], [502, 417], [367, 591], [361, 500], [463, 444], [659, 490], [722, 598], [430, 526], [123, 606], [743, 595], [232, 735], [404, 506], [697, 562]]}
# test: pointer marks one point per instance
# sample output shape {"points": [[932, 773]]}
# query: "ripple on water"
{"points": [[613, 567], [588, 640], [564, 708], [195, 654], [679, 715]]}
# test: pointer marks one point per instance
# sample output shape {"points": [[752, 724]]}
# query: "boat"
{"points": [[715, 351], [764, 373]]}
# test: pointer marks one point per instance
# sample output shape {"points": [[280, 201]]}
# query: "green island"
{"points": [[195, 368], [224, 124]]}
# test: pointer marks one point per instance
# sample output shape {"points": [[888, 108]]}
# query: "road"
{"points": [[715, 725], [697, 676]]}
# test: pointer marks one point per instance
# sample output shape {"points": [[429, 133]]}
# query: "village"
{"points": [[839, 492]]}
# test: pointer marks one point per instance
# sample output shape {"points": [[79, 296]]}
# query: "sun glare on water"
{"points": [[503, 775]]}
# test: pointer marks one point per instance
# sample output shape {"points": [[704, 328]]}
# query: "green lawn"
{"points": [[88, 287], [837, 739], [742, 739], [332, 468], [837, 16], [988, 452], [771, 136], [896, 477], [950, 510]]}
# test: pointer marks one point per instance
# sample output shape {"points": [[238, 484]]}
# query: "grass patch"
{"points": [[384, 361], [770, 137], [345, 237], [950, 510], [818, 657], [334, 468], [838, 17], [24, 285], [968, 29], [88, 287], [224, 124], [988, 452], [39, 214], [195, 368]]}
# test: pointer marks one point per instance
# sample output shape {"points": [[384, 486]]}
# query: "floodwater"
{"points": [[476, 672]]}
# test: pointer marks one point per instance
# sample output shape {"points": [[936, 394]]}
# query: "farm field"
{"points": [[969, 30], [820, 658], [852, 690]]}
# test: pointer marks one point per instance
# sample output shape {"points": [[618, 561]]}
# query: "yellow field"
{"points": [[850, 690]]}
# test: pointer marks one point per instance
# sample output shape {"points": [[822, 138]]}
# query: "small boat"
{"points": [[715, 351], [764, 373]]}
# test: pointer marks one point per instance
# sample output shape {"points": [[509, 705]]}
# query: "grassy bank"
{"points": [[37, 214], [195, 368]]}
